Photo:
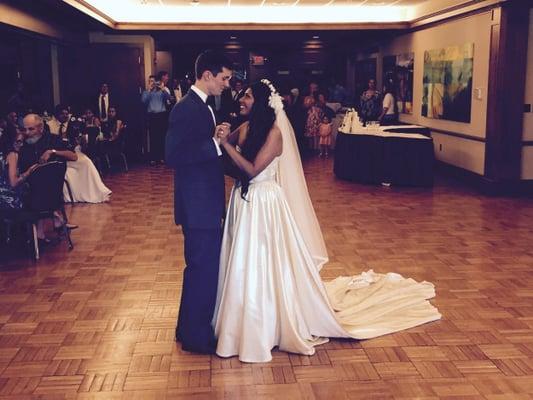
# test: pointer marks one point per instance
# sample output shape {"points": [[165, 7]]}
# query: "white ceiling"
{"points": [[150, 13]]}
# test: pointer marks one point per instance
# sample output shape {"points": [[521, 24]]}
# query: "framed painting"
{"points": [[447, 83]]}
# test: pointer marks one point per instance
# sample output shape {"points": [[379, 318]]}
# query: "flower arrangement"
{"points": [[274, 101]]}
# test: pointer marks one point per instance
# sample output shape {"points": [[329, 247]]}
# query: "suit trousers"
{"points": [[157, 127], [198, 296]]}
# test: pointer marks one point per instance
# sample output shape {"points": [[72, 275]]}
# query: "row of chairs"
{"points": [[109, 152]]}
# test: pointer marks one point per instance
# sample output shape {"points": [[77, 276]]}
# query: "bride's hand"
{"points": [[222, 132]]}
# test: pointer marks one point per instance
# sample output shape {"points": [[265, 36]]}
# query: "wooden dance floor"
{"points": [[98, 322]]}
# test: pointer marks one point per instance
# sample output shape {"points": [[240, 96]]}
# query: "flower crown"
{"points": [[274, 101]]}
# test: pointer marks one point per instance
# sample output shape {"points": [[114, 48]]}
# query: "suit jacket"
{"points": [[198, 178]]}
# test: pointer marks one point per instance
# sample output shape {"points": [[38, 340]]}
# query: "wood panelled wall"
{"points": [[311, 60], [508, 60], [84, 68], [25, 59]]}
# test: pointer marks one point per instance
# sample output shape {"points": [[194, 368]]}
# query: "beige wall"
{"points": [[463, 153], [164, 62], [11, 15], [527, 133]]}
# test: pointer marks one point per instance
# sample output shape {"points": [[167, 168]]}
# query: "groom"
{"points": [[192, 149]]}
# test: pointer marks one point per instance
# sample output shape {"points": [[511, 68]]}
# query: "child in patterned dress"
{"points": [[324, 131]]}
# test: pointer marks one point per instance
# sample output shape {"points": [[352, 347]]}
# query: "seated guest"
{"points": [[9, 129], [388, 115], [113, 126], [111, 137], [58, 124], [11, 180], [40, 148], [82, 176], [91, 132]]}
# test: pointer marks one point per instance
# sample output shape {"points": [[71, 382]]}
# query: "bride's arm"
{"points": [[237, 133], [270, 150]]}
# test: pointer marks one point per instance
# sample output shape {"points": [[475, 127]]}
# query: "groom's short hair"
{"points": [[212, 61]]}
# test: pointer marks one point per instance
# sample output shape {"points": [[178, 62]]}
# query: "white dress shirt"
{"points": [[106, 102], [55, 126], [203, 96]]}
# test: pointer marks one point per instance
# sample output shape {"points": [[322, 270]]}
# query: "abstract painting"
{"points": [[447, 91]]}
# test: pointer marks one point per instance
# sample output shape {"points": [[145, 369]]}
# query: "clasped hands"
{"points": [[222, 132]]}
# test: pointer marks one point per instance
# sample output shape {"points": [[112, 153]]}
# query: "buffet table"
{"points": [[377, 156]]}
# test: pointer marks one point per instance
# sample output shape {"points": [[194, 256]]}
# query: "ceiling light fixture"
{"points": [[196, 11]]}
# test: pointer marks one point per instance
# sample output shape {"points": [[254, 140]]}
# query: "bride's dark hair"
{"points": [[261, 119]]}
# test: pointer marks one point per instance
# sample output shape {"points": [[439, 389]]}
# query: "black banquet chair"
{"points": [[45, 196]]}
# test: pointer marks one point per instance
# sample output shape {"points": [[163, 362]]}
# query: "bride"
{"points": [[270, 292]]}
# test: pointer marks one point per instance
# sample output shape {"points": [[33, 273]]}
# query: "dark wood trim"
{"points": [[458, 135], [480, 183], [92, 11], [455, 12], [507, 68]]}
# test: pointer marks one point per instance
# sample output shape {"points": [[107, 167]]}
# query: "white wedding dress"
{"points": [[270, 292], [84, 181]]}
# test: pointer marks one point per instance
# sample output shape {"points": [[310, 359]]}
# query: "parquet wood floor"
{"points": [[98, 322]]}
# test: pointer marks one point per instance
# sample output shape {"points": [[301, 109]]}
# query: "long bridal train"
{"points": [[271, 293]]}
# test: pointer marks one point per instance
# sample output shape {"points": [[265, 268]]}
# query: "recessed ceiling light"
{"points": [[316, 37]]}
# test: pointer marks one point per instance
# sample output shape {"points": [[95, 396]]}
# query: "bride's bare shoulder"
{"points": [[275, 138]]}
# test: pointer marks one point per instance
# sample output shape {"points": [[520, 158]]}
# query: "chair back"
{"points": [[46, 187], [122, 138]]}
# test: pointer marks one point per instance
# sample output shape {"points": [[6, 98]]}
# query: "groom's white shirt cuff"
{"points": [[217, 145], [203, 96]]}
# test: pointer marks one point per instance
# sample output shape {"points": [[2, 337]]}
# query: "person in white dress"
{"points": [[83, 179], [270, 292]]}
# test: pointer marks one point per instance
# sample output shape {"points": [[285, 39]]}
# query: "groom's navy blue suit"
{"points": [[199, 209]]}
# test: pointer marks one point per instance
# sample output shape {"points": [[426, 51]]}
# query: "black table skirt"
{"points": [[376, 159]]}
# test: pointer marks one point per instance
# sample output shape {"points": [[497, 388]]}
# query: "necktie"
{"points": [[62, 129], [103, 113]]}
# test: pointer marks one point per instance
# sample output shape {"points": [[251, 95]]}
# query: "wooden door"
{"points": [[121, 67]]}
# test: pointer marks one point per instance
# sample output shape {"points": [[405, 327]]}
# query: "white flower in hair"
{"points": [[274, 101]]}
